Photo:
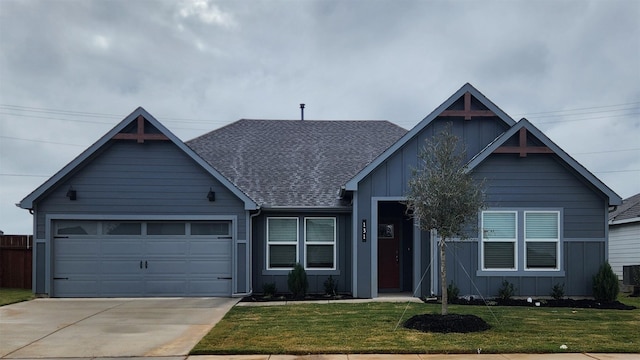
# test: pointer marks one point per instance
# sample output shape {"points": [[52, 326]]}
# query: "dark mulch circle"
{"points": [[451, 323]]}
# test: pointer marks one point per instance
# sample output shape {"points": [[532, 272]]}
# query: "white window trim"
{"points": [[334, 243], [556, 240], [276, 243], [514, 240]]}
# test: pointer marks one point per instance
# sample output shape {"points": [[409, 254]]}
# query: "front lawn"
{"points": [[10, 296], [369, 328]]}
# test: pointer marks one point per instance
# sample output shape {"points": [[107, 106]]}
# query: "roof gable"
{"points": [[524, 138], [467, 103], [139, 126], [294, 163]]}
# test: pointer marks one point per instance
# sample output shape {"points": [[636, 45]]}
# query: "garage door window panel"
{"points": [[216, 228], [121, 228], [76, 227], [166, 228]]}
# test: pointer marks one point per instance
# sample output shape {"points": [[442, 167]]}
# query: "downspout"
{"points": [[251, 217]]}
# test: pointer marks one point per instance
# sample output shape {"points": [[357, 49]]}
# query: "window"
{"points": [[499, 240], [541, 240], [282, 243], [319, 241]]}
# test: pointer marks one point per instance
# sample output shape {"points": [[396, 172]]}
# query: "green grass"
{"points": [[369, 328], [10, 296]]}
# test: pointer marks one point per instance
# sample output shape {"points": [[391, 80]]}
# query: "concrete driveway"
{"points": [[57, 328]]}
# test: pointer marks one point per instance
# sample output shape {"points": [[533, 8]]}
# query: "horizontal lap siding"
{"points": [[540, 181], [624, 246], [150, 178]]}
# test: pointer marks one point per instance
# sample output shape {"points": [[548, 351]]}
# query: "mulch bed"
{"points": [[289, 297], [451, 323], [566, 303]]}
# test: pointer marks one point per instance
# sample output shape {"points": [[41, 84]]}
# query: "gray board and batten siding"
{"points": [[342, 273]]}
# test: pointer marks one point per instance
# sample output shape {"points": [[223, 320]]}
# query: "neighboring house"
{"points": [[624, 235], [141, 213]]}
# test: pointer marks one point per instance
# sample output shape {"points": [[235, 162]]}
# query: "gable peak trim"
{"points": [[140, 135], [523, 149], [467, 112]]}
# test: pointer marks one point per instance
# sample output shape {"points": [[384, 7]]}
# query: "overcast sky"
{"points": [[71, 70]]}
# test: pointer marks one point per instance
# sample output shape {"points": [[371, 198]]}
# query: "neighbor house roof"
{"points": [[294, 163], [628, 212], [156, 132]]}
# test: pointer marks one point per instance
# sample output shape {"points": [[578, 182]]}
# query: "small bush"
{"points": [[297, 281], [452, 292], [605, 284], [330, 286], [506, 291], [557, 291], [269, 289]]}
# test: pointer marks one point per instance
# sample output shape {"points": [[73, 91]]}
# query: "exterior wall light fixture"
{"points": [[211, 195]]}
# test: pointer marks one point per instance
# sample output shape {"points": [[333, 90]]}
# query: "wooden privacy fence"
{"points": [[15, 261]]}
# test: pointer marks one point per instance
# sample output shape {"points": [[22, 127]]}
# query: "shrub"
{"points": [[331, 286], [605, 284], [557, 291], [452, 292], [297, 281], [269, 289], [506, 291]]}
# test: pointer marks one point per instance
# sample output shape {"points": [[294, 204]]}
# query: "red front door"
{"points": [[388, 257]]}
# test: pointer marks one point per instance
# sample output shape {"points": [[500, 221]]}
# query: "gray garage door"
{"points": [[141, 258]]}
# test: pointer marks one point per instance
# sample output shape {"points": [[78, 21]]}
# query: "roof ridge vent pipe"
{"points": [[301, 111]]}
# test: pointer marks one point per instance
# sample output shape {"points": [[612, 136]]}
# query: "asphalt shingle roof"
{"points": [[294, 163], [630, 209]]}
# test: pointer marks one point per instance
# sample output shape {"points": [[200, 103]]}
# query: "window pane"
{"points": [[498, 225], [322, 230], [166, 228], [121, 228], [211, 228], [282, 256], [499, 255], [320, 256], [541, 255], [541, 225], [282, 230], [77, 228]]}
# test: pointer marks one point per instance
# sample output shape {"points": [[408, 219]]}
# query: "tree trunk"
{"points": [[443, 278]]}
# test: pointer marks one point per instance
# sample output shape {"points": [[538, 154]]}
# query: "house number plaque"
{"points": [[364, 230]]}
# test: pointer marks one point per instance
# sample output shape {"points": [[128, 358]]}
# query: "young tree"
{"points": [[443, 196]]}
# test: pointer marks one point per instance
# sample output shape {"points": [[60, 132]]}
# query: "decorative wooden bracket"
{"points": [[523, 149], [140, 136], [467, 112]]}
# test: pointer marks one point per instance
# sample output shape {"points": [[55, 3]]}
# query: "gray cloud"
{"points": [[197, 65]]}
